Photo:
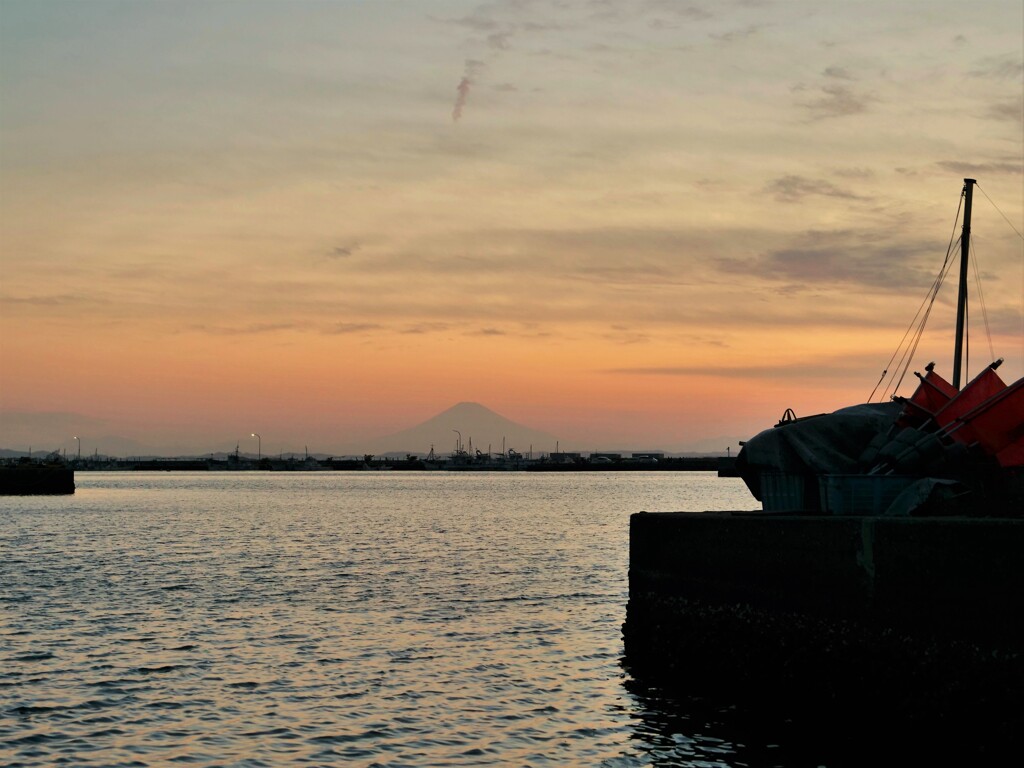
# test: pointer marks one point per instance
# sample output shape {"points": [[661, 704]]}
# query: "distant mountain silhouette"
{"points": [[476, 423]]}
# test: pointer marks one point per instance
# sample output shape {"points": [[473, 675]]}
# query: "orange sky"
{"points": [[651, 225]]}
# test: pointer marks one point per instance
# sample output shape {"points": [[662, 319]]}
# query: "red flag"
{"points": [[984, 385], [930, 396], [996, 425]]}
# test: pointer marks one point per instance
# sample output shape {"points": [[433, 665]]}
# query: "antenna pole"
{"points": [[961, 301]]}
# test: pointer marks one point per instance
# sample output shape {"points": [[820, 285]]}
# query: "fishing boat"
{"points": [[879, 587], [945, 450]]}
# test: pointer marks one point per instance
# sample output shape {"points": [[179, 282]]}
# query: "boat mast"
{"points": [[961, 301]]}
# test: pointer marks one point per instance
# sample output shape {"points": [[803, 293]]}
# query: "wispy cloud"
{"points": [[347, 328], [854, 173], [830, 367], [735, 35], [620, 334], [476, 21], [840, 257], [425, 328], [837, 101], [343, 251], [247, 330], [792, 189], [839, 73], [619, 12], [1011, 110], [45, 301], [499, 40], [1009, 166], [1008, 321], [1007, 67]]}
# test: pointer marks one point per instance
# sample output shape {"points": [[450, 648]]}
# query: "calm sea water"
{"points": [[358, 619]]}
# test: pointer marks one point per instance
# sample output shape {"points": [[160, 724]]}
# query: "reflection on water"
{"points": [[765, 728], [421, 619], [672, 728]]}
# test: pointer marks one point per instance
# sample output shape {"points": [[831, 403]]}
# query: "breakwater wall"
{"points": [[36, 479], [915, 625]]}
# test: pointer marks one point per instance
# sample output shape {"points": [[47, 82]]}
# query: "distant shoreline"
{"points": [[721, 464]]}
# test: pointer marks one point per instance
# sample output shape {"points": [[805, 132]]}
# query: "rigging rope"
{"points": [[1010, 223], [978, 186], [909, 355], [926, 305], [981, 301], [907, 347], [900, 345]]}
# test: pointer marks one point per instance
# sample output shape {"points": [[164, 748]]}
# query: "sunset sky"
{"points": [[646, 224]]}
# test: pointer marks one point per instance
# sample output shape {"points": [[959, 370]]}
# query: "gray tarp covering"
{"points": [[920, 493], [831, 443]]}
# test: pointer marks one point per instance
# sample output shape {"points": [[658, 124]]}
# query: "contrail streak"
{"points": [[460, 100], [473, 67]]}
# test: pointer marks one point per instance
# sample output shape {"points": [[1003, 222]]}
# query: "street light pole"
{"points": [[259, 446], [79, 446], [458, 444]]}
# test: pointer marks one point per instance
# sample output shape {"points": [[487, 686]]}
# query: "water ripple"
{"points": [[264, 619]]}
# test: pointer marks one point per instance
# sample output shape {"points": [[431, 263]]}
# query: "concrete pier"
{"points": [[911, 621]]}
